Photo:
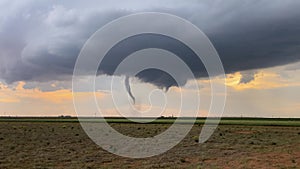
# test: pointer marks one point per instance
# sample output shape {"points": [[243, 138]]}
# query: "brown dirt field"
{"points": [[65, 145]]}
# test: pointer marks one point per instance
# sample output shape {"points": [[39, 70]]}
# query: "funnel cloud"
{"points": [[128, 89]]}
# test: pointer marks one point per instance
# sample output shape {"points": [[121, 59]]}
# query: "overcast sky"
{"points": [[258, 43]]}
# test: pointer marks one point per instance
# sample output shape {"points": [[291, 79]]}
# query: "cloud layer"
{"points": [[40, 41]]}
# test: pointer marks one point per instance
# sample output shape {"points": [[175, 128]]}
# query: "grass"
{"points": [[36, 144], [200, 121]]}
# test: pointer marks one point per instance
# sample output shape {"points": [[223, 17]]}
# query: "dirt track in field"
{"points": [[65, 145]]}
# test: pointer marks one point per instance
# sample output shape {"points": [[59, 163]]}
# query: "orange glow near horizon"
{"points": [[8, 95], [262, 80], [268, 86]]}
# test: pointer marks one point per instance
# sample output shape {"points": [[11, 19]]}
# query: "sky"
{"points": [[258, 43]]}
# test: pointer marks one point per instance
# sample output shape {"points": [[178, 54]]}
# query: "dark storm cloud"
{"points": [[40, 41], [145, 41]]}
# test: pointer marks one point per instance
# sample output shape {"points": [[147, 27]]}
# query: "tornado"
{"points": [[128, 89]]}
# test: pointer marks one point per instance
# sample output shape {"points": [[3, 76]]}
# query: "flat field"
{"points": [[237, 143]]}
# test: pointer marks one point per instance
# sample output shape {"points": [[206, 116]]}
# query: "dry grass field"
{"points": [[65, 145]]}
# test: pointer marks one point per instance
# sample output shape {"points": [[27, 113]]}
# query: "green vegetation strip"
{"points": [[224, 121]]}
